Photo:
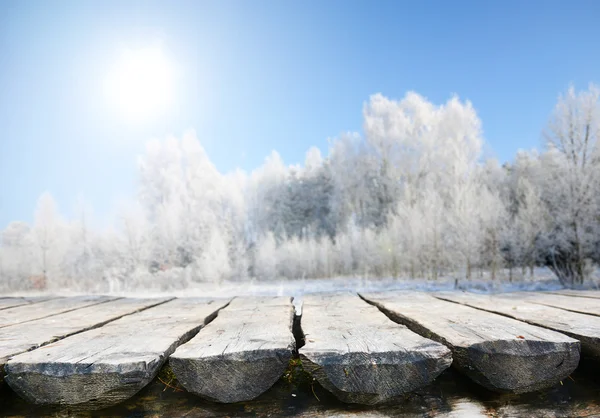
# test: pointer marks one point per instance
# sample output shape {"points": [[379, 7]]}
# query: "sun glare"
{"points": [[141, 83]]}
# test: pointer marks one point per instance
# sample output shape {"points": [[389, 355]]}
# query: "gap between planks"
{"points": [[500, 353], [48, 308], [106, 365]]}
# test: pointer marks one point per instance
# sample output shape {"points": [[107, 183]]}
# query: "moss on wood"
{"points": [[168, 378], [295, 373]]}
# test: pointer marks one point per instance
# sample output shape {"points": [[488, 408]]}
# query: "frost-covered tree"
{"points": [[85, 259], [423, 150], [195, 214], [265, 259], [49, 240], [411, 196], [134, 243], [571, 165], [493, 216], [214, 264], [17, 253], [524, 235], [266, 209]]}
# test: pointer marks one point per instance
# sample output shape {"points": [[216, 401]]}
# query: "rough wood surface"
{"points": [[106, 365], [449, 396], [360, 355], [585, 328], [500, 353], [581, 293], [241, 354], [33, 311], [12, 302], [19, 338], [588, 306]]}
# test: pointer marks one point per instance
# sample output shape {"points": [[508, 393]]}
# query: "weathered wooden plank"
{"points": [[106, 365], [241, 354], [500, 353], [360, 355], [33, 311], [585, 328], [588, 306], [580, 293], [14, 301], [23, 337]]}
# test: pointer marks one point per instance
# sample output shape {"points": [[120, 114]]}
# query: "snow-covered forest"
{"points": [[413, 197]]}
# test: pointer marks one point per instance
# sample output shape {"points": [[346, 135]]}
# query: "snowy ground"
{"points": [[481, 283]]}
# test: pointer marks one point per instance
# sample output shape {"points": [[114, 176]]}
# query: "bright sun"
{"points": [[141, 84]]}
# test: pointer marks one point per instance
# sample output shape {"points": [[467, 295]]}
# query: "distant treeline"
{"points": [[412, 197]]}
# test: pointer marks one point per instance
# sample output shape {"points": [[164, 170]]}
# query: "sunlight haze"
{"points": [[252, 77], [141, 84], [299, 208], [185, 142]]}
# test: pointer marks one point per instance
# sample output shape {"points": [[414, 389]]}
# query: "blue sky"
{"points": [[254, 76]]}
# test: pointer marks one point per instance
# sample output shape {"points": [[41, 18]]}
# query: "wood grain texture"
{"points": [[589, 306], [33, 311], [585, 328], [106, 365], [27, 336], [578, 293], [241, 354], [12, 302], [499, 353], [360, 355]]}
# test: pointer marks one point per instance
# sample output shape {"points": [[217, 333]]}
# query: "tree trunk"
{"points": [[44, 262], [468, 269], [579, 268], [435, 254]]}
